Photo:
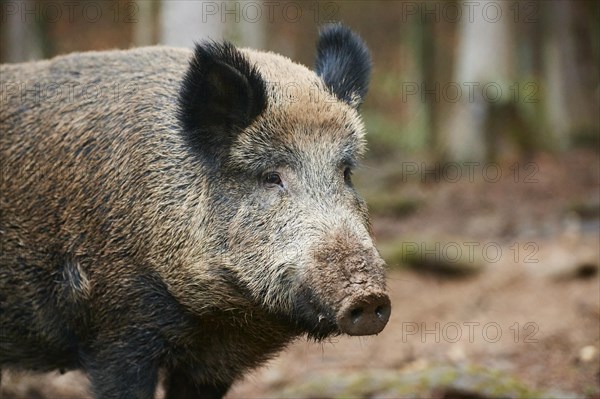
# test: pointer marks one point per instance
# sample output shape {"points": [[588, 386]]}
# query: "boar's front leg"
{"points": [[180, 386], [134, 317], [122, 368]]}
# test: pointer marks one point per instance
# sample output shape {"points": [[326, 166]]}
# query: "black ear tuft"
{"points": [[221, 94], [344, 63]]}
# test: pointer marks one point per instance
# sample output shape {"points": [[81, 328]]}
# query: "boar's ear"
{"points": [[221, 94], [344, 63]]}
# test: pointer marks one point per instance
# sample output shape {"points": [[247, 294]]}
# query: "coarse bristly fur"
{"points": [[190, 212]]}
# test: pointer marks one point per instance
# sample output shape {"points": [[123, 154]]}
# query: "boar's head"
{"points": [[279, 143]]}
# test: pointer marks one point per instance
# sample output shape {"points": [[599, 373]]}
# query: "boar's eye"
{"points": [[273, 178], [348, 175]]}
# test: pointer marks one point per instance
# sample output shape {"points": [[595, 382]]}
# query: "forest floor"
{"points": [[494, 286]]}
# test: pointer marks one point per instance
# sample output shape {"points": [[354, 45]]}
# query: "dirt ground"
{"points": [[523, 320]]}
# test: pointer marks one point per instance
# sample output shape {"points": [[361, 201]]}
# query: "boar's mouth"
{"points": [[308, 314], [312, 317]]}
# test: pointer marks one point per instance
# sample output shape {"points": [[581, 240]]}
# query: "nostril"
{"points": [[382, 312], [355, 314]]}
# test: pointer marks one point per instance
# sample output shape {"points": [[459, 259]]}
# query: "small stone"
{"points": [[456, 354], [588, 354]]}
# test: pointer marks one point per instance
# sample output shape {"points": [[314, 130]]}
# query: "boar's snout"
{"points": [[347, 279], [364, 315]]}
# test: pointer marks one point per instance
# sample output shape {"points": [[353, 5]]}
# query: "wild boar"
{"points": [[194, 214]]}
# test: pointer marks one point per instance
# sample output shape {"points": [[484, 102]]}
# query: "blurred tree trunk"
{"points": [[184, 22], [439, 61], [145, 25], [485, 62], [570, 73], [416, 40], [20, 36], [245, 25]]}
